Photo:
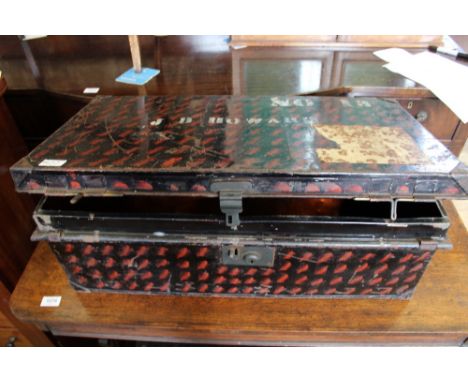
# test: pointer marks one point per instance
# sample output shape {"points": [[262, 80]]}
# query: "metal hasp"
{"points": [[230, 200], [231, 206]]}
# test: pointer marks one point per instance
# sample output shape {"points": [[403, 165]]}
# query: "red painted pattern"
{"points": [[196, 269]]}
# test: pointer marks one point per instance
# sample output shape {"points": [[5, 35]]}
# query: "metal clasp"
{"points": [[231, 205], [230, 199]]}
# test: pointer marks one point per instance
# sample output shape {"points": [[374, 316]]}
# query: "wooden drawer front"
{"points": [[8, 330], [434, 116]]}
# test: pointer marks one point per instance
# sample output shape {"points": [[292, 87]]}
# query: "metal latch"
{"points": [[230, 199], [248, 256], [231, 205]]}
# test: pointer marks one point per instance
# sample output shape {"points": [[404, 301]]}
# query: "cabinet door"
{"points": [[284, 71], [363, 68]]}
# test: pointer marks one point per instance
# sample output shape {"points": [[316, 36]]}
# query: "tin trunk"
{"points": [[265, 196], [283, 247]]}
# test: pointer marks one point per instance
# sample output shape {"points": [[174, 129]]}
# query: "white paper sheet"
{"points": [[447, 79]]}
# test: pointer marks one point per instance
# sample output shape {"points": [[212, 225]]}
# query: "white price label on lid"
{"points": [[51, 301], [53, 162]]}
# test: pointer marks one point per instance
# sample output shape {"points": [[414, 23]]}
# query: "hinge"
{"points": [[43, 222], [428, 245]]}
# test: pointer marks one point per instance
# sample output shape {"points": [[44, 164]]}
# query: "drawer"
{"points": [[10, 335]]}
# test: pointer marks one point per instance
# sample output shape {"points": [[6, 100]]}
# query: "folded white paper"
{"points": [[447, 79]]}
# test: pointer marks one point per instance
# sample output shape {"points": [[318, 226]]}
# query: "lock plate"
{"points": [[248, 256]]}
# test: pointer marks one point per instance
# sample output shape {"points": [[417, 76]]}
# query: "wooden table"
{"points": [[437, 314]]}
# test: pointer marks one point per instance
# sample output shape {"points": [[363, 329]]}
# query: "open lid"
{"points": [[322, 146]]}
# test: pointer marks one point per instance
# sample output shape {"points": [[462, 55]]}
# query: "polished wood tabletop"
{"points": [[436, 314]]}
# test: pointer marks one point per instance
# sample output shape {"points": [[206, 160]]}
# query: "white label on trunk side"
{"points": [[91, 91], [53, 162], [51, 301]]}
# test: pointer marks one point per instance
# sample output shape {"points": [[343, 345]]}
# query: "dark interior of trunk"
{"points": [[252, 206]]}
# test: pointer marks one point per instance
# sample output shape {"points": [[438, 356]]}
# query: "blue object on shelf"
{"points": [[133, 78]]}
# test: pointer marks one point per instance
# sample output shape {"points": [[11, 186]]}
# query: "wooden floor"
{"points": [[436, 315]]}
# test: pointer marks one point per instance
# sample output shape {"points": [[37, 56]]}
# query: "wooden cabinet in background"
{"points": [[16, 224], [271, 71], [363, 68], [435, 116], [286, 65], [459, 138], [400, 40], [203, 65], [280, 40], [317, 40]]}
